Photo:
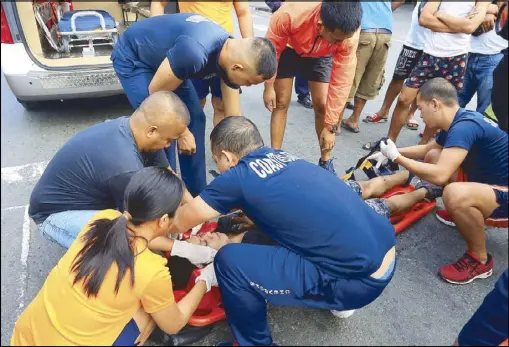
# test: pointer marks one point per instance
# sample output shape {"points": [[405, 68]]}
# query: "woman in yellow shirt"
{"points": [[109, 288]]}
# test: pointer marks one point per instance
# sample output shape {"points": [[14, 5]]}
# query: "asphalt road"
{"points": [[416, 309]]}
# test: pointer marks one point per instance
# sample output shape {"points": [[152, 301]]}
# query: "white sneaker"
{"points": [[342, 314]]}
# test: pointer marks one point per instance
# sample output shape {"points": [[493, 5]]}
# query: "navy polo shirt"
{"points": [[191, 43], [486, 143], [306, 209], [91, 171]]}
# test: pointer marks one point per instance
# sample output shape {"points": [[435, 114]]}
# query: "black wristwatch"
{"points": [[332, 128]]}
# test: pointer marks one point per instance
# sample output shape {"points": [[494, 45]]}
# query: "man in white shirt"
{"points": [[485, 55], [445, 52], [407, 60]]}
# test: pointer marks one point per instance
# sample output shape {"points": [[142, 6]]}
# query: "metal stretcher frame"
{"points": [[68, 37]]}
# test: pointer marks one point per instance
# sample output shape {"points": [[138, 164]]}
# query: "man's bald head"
{"points": [[162, 108], [160, 119]]}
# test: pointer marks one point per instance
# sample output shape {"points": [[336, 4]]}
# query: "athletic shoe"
{"points": [[327, 165], [467, 269], [342, 314], [305, 101], [432, 190], [445, 217]]}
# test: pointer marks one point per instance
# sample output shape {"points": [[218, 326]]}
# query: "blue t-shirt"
{"points": [[191, 43], [486, 144], [306, 209], [376, 15], [91, 171]]}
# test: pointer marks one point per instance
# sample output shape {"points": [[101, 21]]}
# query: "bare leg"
{"points": [[358, 106], [401, 112], [392, 93], [319, 92], [427, 135], [469, 204], [341, 119], [217, 104], [283, 88], [376, 187], [401, 203]]}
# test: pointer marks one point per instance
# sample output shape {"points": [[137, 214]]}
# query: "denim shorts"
{"points": [[63, 227], [379, 205]]}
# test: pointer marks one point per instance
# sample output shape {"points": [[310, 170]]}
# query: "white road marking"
{"points": [[15, 174], [260, 27], [25, 248], [13, 208]]}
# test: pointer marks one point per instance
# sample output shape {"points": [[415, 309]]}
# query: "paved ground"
{"points": [[416, 309]]}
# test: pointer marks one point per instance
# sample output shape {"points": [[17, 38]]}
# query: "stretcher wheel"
{"points": [[419, 210]]}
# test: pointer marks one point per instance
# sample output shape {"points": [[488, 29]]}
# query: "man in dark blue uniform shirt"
{"points": [[165, 52], [470, 158], [320, 263], [91, 170]]}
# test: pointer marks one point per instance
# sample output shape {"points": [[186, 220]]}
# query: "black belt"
{"points": [[377, 31]]}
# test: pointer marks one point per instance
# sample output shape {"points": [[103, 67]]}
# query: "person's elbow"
{"points": [[441, 178], [426, 20]]}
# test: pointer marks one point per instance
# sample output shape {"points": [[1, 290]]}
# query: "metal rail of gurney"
{"points": [[89, 35]]}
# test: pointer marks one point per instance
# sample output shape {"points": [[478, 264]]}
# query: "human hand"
{"points": [[269, 98], [186, 143], [388, 149], [145, 334], [489, 23], [379, 158], [196, 254], [327, 140], [243, 221], [208, 275]]}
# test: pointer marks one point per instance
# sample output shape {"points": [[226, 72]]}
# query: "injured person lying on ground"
{"points": [[318, 263], [238, 228], [470, 159]]}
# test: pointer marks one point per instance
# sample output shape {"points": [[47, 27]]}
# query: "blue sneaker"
{"points": [[327, 165], [433, 191]]}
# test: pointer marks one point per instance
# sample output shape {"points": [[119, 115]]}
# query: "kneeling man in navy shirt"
{"points": [[319, 262], [90, 172], [470, 158]]}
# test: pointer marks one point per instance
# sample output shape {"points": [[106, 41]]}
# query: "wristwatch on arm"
{"points": [[332, 128]]}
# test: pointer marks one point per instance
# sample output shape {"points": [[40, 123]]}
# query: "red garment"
{"points": [[296, 24]]}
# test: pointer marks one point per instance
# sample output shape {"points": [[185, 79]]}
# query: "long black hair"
{"points": [[150, 194]]}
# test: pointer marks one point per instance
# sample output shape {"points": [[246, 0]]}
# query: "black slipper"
{"points": [[349, 128]]}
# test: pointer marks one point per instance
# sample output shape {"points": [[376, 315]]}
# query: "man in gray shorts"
{"points": [[372, 190]]}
